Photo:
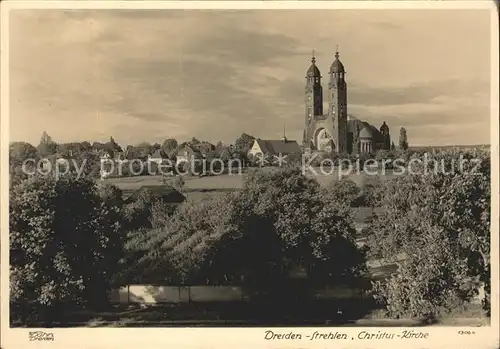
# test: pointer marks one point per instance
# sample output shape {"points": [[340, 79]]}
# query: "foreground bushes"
{"points": [[441, 222], [65, 243]]}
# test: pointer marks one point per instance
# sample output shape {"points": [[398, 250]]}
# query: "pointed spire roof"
{"points": [[337, 66], [384, 128], [313, 69]]}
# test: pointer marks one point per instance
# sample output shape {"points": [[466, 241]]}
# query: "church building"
{"points": [[335, 130]]}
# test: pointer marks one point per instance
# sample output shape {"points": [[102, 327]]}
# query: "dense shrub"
{"points": [[345, 191], [372, 192], [439, 219], [65, 243], [146, 211]]}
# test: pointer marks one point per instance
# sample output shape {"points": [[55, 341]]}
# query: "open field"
{"points": [[226, 182]]}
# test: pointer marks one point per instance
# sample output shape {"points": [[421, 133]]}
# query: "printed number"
{"points": [[466, 332], [41, 336]]}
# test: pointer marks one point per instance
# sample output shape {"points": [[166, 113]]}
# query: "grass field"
{"points": [[232, 181]]}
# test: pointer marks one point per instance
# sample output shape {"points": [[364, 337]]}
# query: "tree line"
{"points": [[90, 154]]}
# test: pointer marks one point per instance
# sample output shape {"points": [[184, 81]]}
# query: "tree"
{"points": [[65, 245], [372, 191], [169, 146], [243, 144], [91, 163], [98, 146], [385, 158], [403, 139], [111, 195], [138, 212], [113, 146], [194, 143], [293, 160], [285, 221], [140, 151], [160, 213], [344, 192], [440, 222], [225, 155], [46, 146], [206, 148], [73, 148], [219, 146], [21, 151]]}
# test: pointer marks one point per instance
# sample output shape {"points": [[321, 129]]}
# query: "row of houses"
{"points": [[184, 153]]}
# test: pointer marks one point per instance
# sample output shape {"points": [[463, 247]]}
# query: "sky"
{"points": [[142, 75]]}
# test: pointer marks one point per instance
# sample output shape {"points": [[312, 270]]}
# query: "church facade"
{"points": [[335, 130]]}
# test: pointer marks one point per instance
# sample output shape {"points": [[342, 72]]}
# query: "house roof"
{"points": [[188, 150], [165, 193], [278, 146], [368, 130]]}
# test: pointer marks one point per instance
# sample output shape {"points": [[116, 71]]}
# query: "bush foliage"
{"points": [[65, 244], [440, 221]]}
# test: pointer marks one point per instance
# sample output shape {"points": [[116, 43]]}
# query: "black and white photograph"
{"points": [[312, 175]]}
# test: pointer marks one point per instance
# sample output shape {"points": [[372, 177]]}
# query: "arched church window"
{"points": [[324, 140]]}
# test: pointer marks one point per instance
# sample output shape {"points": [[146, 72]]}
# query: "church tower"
{"points": [[313, 97], [337, 106]]}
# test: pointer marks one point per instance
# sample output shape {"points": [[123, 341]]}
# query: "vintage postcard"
{"points": [[248, 174]]}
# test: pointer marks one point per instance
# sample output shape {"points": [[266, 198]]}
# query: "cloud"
{"points": [[422, 92]]}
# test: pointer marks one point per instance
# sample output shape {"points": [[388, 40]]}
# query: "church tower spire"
{"points": [[337, 105], [313, 94]]}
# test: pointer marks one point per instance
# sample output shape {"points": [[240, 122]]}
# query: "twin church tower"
{"points": [[334, 130]]}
